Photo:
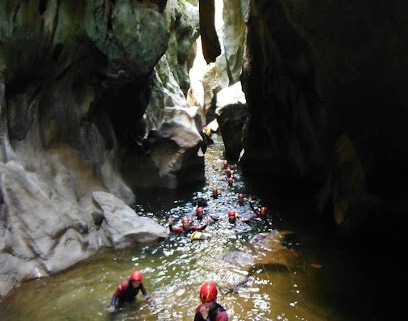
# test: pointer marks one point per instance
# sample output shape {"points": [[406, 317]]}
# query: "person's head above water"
{"points": [[215, 192], [208, 292], [185, 221], [136, 276], [232, 216], [230, 181], [199, 211]]}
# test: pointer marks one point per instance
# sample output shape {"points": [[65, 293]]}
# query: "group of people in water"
{"points": [[203, 220], [208, 309], [206, 219]]}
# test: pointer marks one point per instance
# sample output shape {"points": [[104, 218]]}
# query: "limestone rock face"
{"points": [[122, 226], [80, 103], [209, 38], [232, 116]]}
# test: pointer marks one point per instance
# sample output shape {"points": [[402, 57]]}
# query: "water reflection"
{"points": [[175, 269]]}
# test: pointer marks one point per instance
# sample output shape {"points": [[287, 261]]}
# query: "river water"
{"points": [[327, 282]]}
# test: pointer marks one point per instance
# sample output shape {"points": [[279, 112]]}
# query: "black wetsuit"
{"points": [[127, 293]]}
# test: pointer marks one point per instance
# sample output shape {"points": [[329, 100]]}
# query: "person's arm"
{"points": [[174, 229], [170, 222], [221, 316], [177, 230], [144, 292], [214, 219], [200, 310], [113, 303], [199, 228], [251, 205], [115, 297]]}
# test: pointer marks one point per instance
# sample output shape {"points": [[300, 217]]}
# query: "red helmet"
{"points": [[231, 213], [136, 276], [240, 196], [185, 220], [264, 209], [199, 210], [208, 292]]}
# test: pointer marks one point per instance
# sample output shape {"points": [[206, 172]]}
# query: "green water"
{"points": [[325, 284]]}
